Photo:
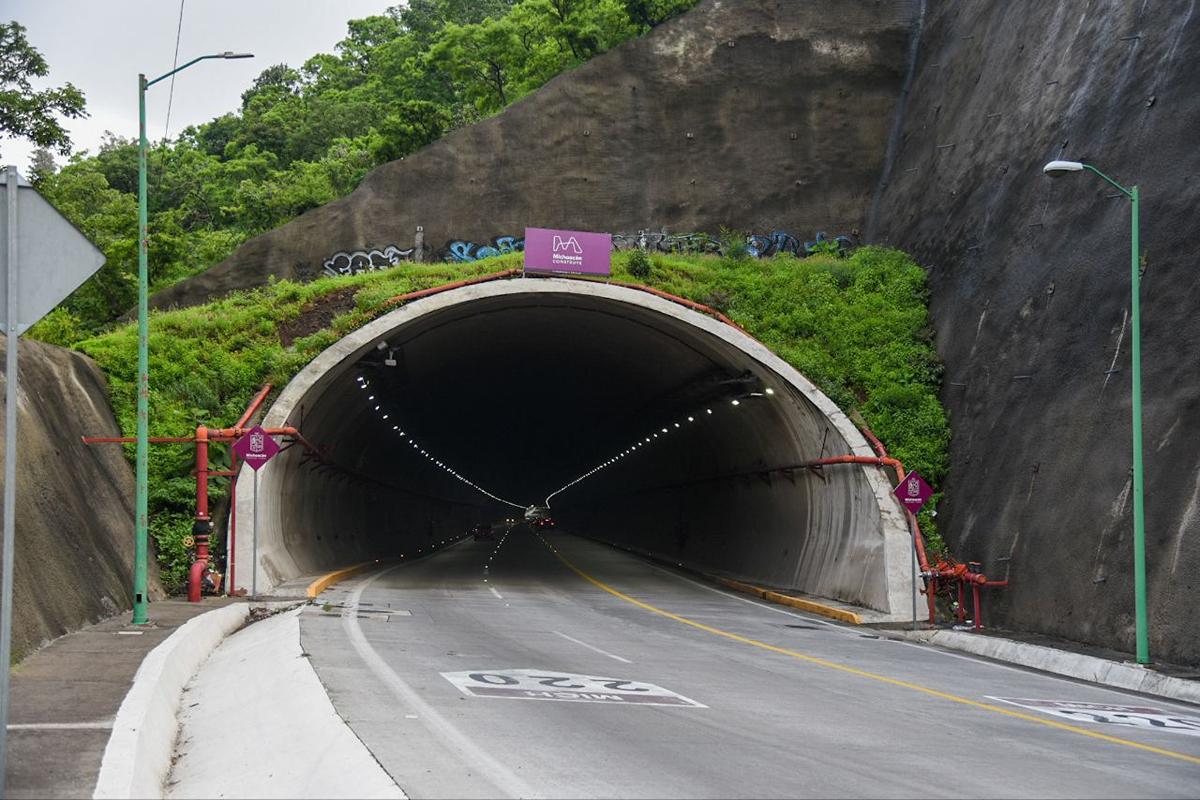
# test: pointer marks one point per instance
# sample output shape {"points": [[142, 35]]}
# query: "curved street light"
{"points": [[1056, 169], [141, 512]]}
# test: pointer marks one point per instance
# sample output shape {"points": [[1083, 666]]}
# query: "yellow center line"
{"points": [[871, 675]]}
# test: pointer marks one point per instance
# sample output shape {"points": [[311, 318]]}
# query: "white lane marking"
{"points": [[101, 725], [764, 606], [498, 595], [591, 647], [452, 738]]}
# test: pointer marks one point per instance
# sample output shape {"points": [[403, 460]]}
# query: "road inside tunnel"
{"points": [[647, 424]]}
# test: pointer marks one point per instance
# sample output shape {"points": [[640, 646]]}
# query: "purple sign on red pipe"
{"points": [[913, 492], [256, 448], [568, 251]]}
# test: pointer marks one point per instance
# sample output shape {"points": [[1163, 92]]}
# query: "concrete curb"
{"points": [[800, 603], [1061, 662], [325, 581], [137, 758]]}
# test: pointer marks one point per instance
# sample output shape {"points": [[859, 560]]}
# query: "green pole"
{"points": [[1141, 621], [141, 513]]}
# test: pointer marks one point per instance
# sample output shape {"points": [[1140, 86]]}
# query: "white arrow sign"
{"points": [[53, 257]]}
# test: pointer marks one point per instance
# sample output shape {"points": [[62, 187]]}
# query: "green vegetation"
{"points": [[25, 111], [857, 327], [305, 136]]}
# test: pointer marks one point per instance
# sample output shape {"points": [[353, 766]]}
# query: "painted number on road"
{"points": [[536, 684], [1135, 716]]}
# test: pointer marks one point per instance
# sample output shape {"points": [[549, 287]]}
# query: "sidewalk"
{"points": [[64, 698], [257, 722]]}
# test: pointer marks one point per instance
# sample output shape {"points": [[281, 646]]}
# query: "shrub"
{"points": [[639, 264]]}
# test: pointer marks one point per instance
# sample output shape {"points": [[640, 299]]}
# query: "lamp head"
{"points": [[231, 54], [1057, 169]]}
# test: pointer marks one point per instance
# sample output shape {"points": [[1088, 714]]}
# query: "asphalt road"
{"points": [[559, 667]]}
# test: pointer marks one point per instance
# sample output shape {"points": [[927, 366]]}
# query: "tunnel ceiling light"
{"points": [[735, 402], [691, 419], [709, 410], [664, 430], [770, 390]]}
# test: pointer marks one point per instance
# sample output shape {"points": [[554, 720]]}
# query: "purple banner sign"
{"points": [[256, 448], [567, 251], [913, 492]]}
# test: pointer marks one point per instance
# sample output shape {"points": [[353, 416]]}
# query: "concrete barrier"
{"points": [[137, 759], [1133, 677]]}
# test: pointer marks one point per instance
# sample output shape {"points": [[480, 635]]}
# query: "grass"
{"points": [[858, 327]]}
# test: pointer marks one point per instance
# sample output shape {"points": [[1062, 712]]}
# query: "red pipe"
{"points": [[252, 409], [445, 287], [202, 525], [231, 551], [131, 439]]}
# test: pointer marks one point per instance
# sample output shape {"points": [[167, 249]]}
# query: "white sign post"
{"points": [[44, 259]]}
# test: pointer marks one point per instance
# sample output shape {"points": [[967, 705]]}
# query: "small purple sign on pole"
{"points": [[577, 252], [913, 492], [256, 448]]}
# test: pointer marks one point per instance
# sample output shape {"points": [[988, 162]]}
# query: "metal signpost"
{"points": [[913, 492], [256, 448], [43, 260], [575, 252]]}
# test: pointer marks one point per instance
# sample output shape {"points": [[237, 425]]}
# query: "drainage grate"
{"points": [[804, 627]]}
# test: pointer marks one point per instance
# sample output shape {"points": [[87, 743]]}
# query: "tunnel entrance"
{"points": [[644, 423]]}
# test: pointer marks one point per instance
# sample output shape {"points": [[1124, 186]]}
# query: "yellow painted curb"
{"points": [[322, 583], [823, 610]]}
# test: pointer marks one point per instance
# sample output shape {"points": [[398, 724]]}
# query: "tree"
{"points": [[28, 113], [41, 166]]}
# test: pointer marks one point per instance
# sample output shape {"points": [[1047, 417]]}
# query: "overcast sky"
{"points": [[102, 45]]}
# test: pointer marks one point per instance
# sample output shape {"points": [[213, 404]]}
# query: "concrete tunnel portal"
{"points": [[520, 387]]}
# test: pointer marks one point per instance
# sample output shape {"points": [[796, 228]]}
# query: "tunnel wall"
{"points": [[819, 531], [1030, 294], [859, 551]]}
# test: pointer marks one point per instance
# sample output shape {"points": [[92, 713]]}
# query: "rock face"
{"points": [[757, 114], [1030, 281], [74, 535]]}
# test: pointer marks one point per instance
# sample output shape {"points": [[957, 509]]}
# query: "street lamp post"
{"points": [[1057, 169], [142, 516]]}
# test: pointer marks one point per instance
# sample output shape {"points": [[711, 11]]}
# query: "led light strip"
{"points": [[689, 419]]}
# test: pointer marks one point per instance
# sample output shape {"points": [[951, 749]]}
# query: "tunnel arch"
{"points": [[488, 368]]}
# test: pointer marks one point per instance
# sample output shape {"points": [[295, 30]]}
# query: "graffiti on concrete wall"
{"points": [[464, 251], [758, 245], [356, 261], [461, 251]]}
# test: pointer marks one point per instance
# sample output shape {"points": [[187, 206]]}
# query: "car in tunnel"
{"points": [[480, 532], [545, 523]]}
